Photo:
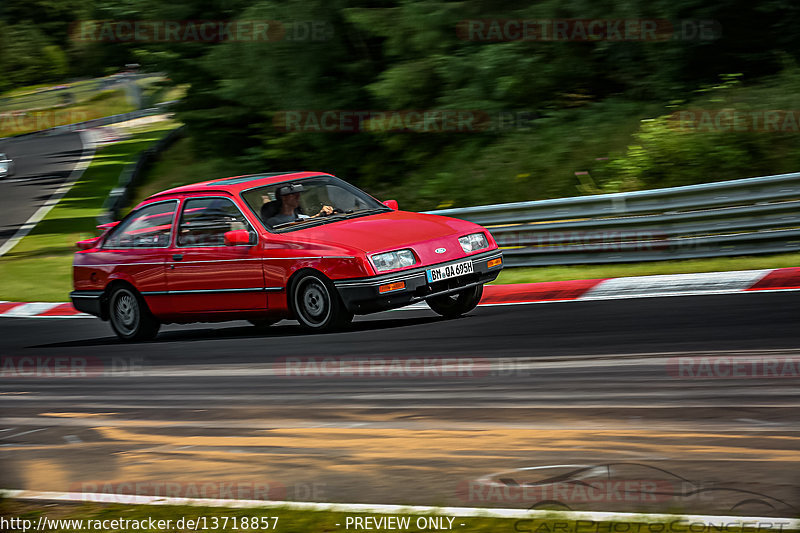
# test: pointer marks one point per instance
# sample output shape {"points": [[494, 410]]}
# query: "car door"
{"points": [[203, 274], [136, 251]]}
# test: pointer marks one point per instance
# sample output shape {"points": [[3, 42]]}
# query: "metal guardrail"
{"points": [[738, 217], [132, 174]]}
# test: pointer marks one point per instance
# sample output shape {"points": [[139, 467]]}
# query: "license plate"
{"points": [[449, 271]]}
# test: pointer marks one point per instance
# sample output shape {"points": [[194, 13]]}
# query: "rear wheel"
{"points": [[317, 305], [129, 316], [456, 303]]}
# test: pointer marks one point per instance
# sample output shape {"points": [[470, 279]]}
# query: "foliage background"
{"points": [[595, 112]]}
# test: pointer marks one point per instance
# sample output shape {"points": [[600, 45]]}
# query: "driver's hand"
{"points": [[325, 211]]}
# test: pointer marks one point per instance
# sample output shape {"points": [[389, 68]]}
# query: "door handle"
{"points": [[177, 257]]}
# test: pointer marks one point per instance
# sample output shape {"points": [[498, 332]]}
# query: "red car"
{"points": [[301, 245]]}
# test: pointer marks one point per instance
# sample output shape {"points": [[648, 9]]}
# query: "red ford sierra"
{"points": [[300, 245]]}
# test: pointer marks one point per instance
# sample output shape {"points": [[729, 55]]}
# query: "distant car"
{"points": [[6, 166], [302, 245]]}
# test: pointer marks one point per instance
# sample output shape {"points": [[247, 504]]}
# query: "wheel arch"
{"points": [[105, 299], [296, 275]]}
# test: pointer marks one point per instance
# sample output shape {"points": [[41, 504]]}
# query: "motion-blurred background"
{"points": [[594, 102]]}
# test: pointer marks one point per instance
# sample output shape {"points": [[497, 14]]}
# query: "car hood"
{"points": [[398, 229]]}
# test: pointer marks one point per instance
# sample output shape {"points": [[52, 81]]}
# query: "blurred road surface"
{"points": [[557, 383], [42, 166]]}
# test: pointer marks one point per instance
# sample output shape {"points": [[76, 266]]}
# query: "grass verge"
{"points": [[102, 104], [39, 268]]}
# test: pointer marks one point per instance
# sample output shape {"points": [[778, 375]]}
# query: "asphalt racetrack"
{"points": [[588, 382], [42, 163]]}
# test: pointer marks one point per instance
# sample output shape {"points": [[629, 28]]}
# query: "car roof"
{"points": [[236, 184]]}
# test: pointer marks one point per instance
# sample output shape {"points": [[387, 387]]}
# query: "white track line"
{"points": [[786, 524], [77, 172]]}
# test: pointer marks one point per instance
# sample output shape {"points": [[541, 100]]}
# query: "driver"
{"points": [[289, 209]]}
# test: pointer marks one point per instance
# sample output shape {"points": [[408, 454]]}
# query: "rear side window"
{"points": [[204, 222], [149, 227]]}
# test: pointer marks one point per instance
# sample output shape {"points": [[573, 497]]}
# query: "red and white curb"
{"points": [[40, 310], [781, 279], [682, 522]]}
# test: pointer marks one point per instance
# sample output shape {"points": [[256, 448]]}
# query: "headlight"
{"points": [[393, 260], [472, 242]]}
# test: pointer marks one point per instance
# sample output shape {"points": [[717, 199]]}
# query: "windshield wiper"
{"points": [[315, 221], [293, 223]]}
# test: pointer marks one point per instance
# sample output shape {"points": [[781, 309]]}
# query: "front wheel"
{"points": [[317, 305], [130, 318], [456, 303]]}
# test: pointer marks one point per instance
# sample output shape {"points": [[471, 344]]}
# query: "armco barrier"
{"points": [[130, 176], [737, 217]]}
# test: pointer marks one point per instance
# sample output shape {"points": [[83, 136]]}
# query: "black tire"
{"points": [[262, 324], [316, 304], [130, 318], [456, 303]]}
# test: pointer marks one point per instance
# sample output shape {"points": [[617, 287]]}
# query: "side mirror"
{"points": [[391, 204], [87, 244], [237, 237]]}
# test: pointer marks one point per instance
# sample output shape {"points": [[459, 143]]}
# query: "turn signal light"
{"points": [[495, 262], [392, 287]]}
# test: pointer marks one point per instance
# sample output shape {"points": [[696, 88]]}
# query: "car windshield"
{"points": [[296, 204]]}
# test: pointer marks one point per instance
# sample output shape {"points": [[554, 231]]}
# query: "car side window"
{"points": [[204, 221], [149, 227]]}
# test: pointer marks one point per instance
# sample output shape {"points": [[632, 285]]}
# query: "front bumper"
{"points": [[362, 296]]}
